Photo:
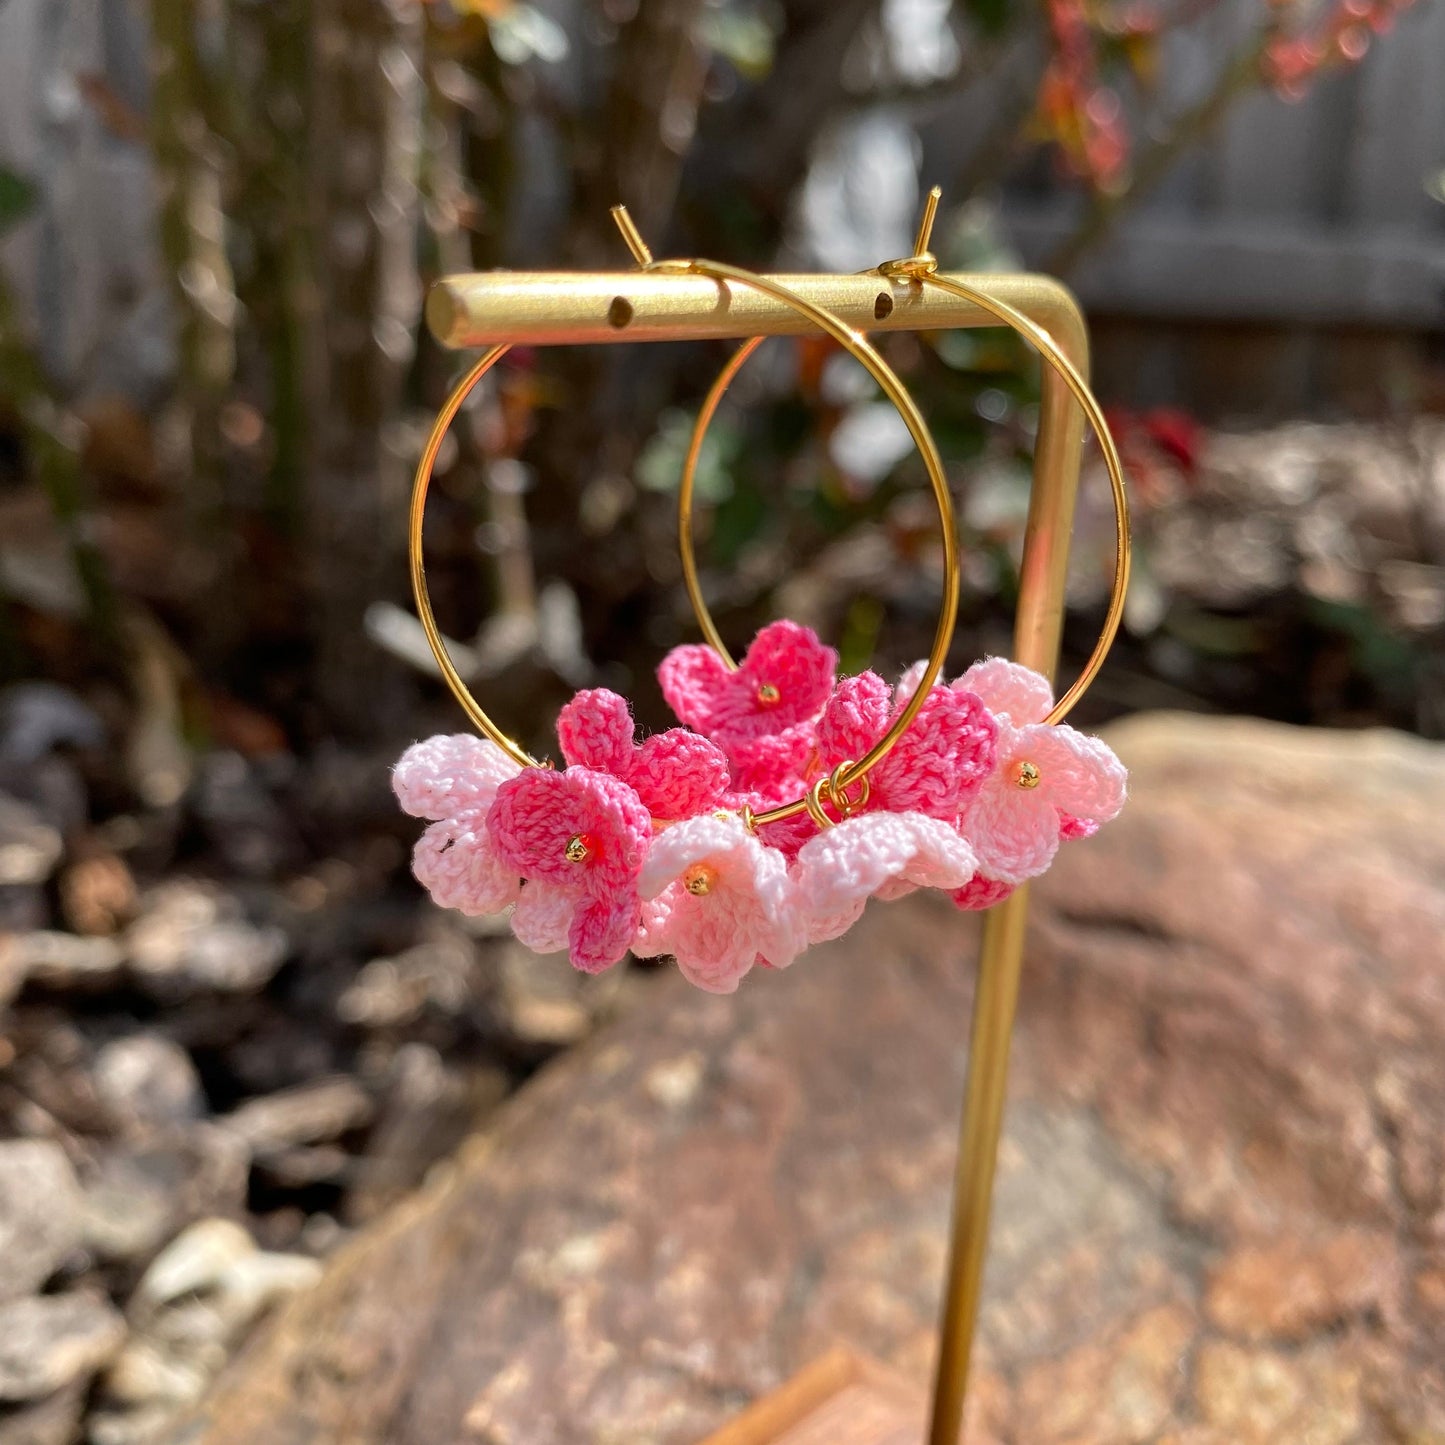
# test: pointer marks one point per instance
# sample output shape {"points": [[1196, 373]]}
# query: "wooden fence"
{"points": [[1328, 211]]}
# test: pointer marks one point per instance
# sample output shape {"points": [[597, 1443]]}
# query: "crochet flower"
{"points": [[763, 714], [724, 901], [884, 853], [578, 838], [939, 763], [445, 776], [676, 773], [980, 892], [452, 781], [1046, 779]]}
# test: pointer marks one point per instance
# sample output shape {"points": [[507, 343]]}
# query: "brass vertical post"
{"points": [[1037, 630]]}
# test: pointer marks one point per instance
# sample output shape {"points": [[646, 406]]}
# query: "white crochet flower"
{"points": [[887, 854]]}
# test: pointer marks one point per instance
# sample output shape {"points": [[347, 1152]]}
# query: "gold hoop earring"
{"points": [[921, 269], [862, 351]]}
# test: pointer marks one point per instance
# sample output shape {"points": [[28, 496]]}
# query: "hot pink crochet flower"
{"points": [[676, 773], [1043, 776], [940, 761], [724, 901], [578, 838], [980, 892], [762, 715], [884, 853], [452, 781]]}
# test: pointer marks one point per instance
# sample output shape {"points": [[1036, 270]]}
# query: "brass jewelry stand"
{"points": [[841, 1400]]}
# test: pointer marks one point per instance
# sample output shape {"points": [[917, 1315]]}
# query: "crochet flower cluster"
{"points": [[644, 847]]}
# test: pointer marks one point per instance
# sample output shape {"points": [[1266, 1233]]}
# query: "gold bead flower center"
{"points": [[1027, 775], [768, 695], [578, 849], [699, 880]]}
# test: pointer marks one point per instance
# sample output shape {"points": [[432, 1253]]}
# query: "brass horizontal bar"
{"points": [[559, 308]]}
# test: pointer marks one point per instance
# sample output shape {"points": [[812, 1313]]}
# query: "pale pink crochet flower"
{"points": [[452, 781], [884, 853], [940, 761], [1046, 778], [762, 715], [450, 774], [676, 773], [723, 901], [578, 838]]}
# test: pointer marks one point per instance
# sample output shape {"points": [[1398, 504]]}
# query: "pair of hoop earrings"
{"points": [[790, 797]]}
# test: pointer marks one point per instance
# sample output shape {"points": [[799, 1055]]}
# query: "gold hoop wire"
{"points": [[863, 352], [920, 268]]}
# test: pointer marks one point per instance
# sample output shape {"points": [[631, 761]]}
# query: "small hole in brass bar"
{"points": [[883, 306], [620, 312]]}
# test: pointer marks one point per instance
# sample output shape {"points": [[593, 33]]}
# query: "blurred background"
{"points": [[224, 1000]]}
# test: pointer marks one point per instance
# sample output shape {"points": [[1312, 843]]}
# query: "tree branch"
{"points": [[1240, 74]]}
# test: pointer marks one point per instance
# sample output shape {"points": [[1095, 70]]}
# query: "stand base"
{"points": [[840, 1399]]}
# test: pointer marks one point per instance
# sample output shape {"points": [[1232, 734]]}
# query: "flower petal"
{"points": [[450, 774], [595, 731], [454, 860], [775, 764], [941, 760], [651, 940], [1080, 775], [1071, 828], [678, 774], [778, 929], [712, 940], [943, 860], [854, 719], [909, 679], [693, 677], [839, 870], [1008, 688], [1015, 833], [602, 931], [543, 915], [825, 924]]}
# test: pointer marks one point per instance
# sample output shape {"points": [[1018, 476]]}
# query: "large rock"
{"points": [[1219, 1215]]}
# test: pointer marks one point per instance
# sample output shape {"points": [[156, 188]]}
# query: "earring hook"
{"points": [[641, 252], [639, 248], [925, 226], [922, 262]]}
